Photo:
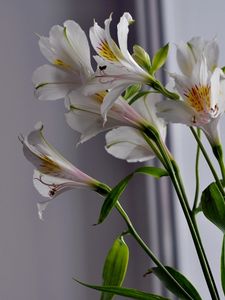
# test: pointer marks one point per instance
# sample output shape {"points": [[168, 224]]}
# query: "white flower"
{"points": [[116, 67], [128, 142], [68, 51], [85, 117], [53, 174], [201, 88]]}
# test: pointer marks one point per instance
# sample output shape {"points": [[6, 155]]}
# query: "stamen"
{"points": [[199, 97]]}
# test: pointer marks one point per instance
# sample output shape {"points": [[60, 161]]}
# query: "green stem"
{"points": [[218, 152], [196, 174], [208, 161], [104, 190], [174, 173], [147, 250]]}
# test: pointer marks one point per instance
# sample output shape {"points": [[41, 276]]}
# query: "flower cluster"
{"points": [[123, 96]]}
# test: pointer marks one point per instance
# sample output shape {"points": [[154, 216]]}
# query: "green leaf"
{"points": [[131, 91], [222, 265], [115, 266], [142, 57], [213, 205], [152, 171], [113, 196], [181, 279], [126, 292], [138, 96], [223, 69], [159, 58]]}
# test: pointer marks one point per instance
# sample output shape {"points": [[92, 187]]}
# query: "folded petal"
{"points": [[185, 58], [110, 98], [79, 44], [128, 143], [52, 83], [176, 112]]}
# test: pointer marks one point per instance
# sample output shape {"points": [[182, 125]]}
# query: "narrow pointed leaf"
{"points": [[138, 96], [152, 171], [213, 205], [181, 279], [131, 91], [159, 58], [115, 266], [126, 292], [113, 196], [222, 265]]}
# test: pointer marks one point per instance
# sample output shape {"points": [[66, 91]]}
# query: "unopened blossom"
{"points": [[53, 174], [201, 88], [68, 53], [116, 67]]}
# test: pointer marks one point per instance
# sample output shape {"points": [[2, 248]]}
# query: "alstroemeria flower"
{"points": [[53, 174], [68, 51], [116, 67], [202, 92], [128, 142], [84, 115]]}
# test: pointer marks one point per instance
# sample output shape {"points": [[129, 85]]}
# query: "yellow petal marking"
{"points": [[48, 166], [105, 51], [100, 96], [199, 97], [62, 64]]}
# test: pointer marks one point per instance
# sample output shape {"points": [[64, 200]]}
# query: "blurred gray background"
{"points": [[38, 259]]}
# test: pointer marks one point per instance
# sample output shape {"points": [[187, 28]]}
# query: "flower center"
{"points": [[106, 52], [199, 97]]}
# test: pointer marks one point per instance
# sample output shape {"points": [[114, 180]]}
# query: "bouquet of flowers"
{"points": [[124, 97]]}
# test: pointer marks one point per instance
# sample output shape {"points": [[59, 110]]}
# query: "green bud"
{"points": [[115, 266], [159, 58], [142, 58]]}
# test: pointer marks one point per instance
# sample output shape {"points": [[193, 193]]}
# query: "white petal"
{"points": [[47, 49], [110, 98], [51, 83], [200, 73], [79, 43], [175, 111], [209, 48], [41, 208], [123, 29], [182, 83], [197, 46], [50, 186], [112, 45], [61, 48], [212, 131], [215, 87], [185, 59], [212, 54], [97, 37], [128, 143], [146, 107]]}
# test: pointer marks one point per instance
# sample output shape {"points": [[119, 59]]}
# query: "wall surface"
{"points": [[182, 21]]}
